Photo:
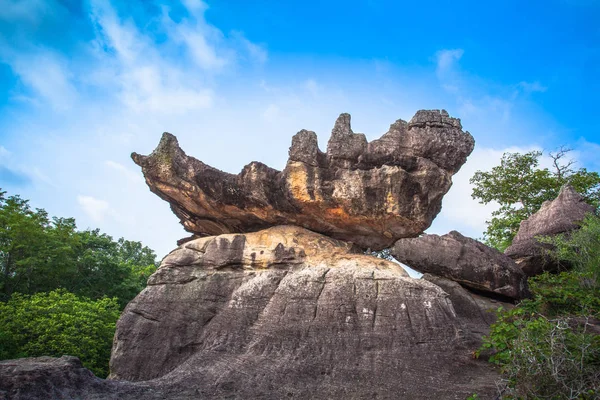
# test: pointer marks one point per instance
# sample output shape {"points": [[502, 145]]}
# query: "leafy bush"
{"points": [[580, 248], [565, 293], [543, 358], [544, 345], [59, 323]]}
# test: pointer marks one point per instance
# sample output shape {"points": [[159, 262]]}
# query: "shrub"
{"points": [[543, 358], [59, 323]]}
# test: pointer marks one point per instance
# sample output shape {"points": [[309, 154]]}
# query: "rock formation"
{"points": [[370, 194], [286, 312], [558, 216], [257, 306], [463, 260]]}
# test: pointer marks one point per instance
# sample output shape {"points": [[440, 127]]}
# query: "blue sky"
{"points": [[85, 83]]}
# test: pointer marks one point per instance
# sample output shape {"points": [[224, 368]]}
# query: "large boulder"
{"points": [[368, 193], [555, 217], [464, 260], [289, 313]]}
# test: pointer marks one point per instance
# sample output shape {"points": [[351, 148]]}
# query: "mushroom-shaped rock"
{"points": [[286, 312], [368, 193], [464, 260], [560, 215]]}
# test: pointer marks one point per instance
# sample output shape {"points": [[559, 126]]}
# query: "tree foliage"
{"points": [[519, 186], [580, 249], [545, 346], [40, 254], [59, 323]]}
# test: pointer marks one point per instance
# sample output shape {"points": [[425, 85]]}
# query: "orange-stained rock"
{"points": [[371, 194]]}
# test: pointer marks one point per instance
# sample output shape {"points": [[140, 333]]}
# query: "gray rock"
{"points": [[288, 313], [44, 378], [476, 311], [368, 193], [464, 260], [555, 217]]}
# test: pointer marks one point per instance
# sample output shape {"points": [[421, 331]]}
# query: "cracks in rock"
{"points": [[323, 277], [208, 320], [260, 313], [144, 315], [376, 301]]}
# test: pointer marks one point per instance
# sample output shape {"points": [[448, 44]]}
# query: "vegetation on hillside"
{"points": [[519, 186], [548, 347], [62, 290], [59, 323]]}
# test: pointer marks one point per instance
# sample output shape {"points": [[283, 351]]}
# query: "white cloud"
{"points": [[95, 209], [446, 60], [124, 171], [45, 72], [196, 7], [146, 77], [271, 113], [471, 99], [203, 54], [254, 52]]}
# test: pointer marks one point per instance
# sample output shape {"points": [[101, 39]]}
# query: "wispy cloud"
{"points": [[446, 61], [95, 208], [145, 79], [11, 177], [124, 171]]}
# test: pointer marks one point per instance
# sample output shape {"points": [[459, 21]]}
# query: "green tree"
{"points": [[40, 254], [580, 249], [519, 186], [59, 323]]}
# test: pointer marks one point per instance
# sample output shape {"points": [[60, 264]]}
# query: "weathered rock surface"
{"points": [[558, 216], [288, 313], [476, 311], [368, 193], [44, 378], [463, 260]]}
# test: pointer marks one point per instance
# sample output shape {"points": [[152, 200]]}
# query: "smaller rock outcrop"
{"points": [[558, 216], [43, 378], [368, 193], [463, 260]]}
